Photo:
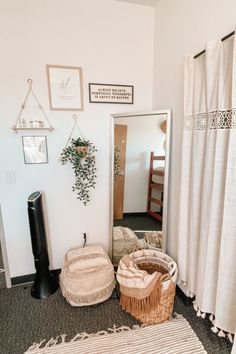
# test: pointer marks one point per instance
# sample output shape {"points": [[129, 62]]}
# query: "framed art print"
{"points": [[35, 149], [65, 88]]}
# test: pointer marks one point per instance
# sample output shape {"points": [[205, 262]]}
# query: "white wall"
{"points": [[106, 39], [182, 27], [144, 135]]}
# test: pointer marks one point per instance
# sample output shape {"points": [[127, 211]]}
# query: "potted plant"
{"points": [[80, 153], [82, 146]]}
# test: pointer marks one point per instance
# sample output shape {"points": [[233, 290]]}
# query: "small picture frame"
{"points": [[65, 87], [35, 149]]}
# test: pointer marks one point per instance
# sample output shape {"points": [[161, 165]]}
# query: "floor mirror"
{"points": [[140, 160]]}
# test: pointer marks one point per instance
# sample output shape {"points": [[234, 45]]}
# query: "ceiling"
{"points": [[142, 2]]}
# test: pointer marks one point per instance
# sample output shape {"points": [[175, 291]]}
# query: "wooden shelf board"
{"points": [[44, 128]]}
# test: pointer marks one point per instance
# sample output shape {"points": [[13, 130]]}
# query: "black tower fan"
{"points": [[44, 284]]}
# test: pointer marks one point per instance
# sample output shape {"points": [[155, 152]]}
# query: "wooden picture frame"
{"points": [[111, 93], [35, 149], [65, 87]]}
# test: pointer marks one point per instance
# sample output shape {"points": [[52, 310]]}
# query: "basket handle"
{"points": [[173, 270], [165, 277]]}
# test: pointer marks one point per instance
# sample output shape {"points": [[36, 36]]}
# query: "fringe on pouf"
{"points": [[216, 330], [88, 299]]}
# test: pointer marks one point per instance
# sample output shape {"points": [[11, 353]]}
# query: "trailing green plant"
{"points": [[116, 163], [83, 163]]}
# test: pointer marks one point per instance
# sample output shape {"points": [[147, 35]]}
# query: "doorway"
{"points": [[120, 140]]}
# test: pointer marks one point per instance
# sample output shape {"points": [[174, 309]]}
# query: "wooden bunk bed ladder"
{"points": [[158, 186]]}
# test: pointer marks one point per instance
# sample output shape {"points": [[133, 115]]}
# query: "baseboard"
{"points": [[29, 278], [136, 214], [185, 299]]}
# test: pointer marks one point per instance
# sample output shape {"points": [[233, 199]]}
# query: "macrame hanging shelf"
{"points": [[22, 124]]}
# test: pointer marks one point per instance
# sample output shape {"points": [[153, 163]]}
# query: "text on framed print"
{"points": [[104, 93]]}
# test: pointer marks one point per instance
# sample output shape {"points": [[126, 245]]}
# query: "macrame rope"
{"points": [[23, 104], [30, 90], [75, 117], [40, 107]]}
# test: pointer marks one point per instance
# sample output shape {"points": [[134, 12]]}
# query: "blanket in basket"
{"points": [[147, 285]]}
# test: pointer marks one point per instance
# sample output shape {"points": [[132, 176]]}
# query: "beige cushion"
{"points": [[124, 242], [87, 276]]}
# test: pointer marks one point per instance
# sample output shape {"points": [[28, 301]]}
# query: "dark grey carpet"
{"points": [[2, 280], [2, 275], [139, 222], [25, 320]]}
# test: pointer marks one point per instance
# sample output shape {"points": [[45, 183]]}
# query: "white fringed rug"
{"points": [[174, 336]]}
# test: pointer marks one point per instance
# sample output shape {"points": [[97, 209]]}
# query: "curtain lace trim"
{"points": [[220, 119]]}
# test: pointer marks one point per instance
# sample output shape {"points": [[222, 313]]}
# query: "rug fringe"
{"points": [[177, 316], [59, 345], [81, 336]]}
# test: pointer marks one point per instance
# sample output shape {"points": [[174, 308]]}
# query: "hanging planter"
{"points": [[82, 150], [80, 153]]}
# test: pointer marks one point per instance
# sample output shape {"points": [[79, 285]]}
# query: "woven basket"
{"points": [[153, 240], [158, 306]]}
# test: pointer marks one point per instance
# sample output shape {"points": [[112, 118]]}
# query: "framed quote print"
{"points": [[111, 93], [65, 88]]}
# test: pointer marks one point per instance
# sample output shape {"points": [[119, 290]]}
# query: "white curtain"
{"points": [[207, 210]]}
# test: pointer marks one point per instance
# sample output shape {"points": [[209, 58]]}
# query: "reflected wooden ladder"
{"points": [[158, 186]]}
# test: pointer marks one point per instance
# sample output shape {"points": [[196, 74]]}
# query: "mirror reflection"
{"points": [[140, 158]]}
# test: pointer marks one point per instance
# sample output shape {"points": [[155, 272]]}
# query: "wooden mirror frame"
{"points": [[166, 112]]}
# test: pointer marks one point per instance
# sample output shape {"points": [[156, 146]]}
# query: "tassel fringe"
{"points": [[230, 337], [221, 333], [141, 306], [198, 313], [89, 299], [203, 315], [214, 329], [195, 306], [218, 331]]}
